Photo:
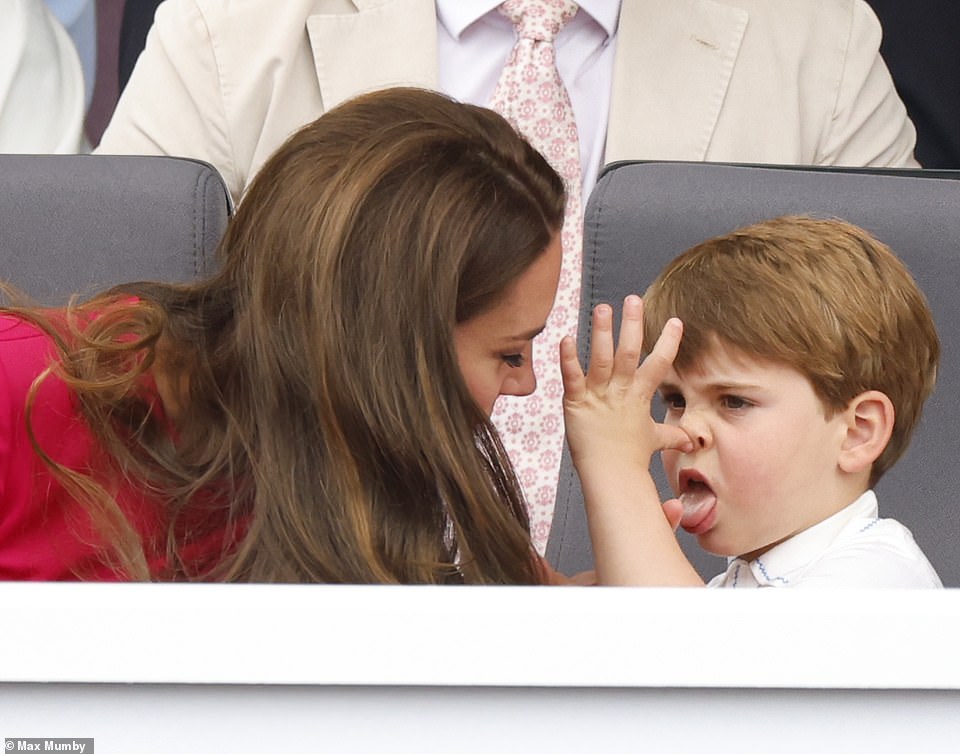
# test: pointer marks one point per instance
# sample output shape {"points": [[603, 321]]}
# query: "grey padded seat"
{"points": [[80, 223], [641, 215]]}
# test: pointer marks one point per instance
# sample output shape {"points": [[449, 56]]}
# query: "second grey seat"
{"points": [[641, 215], [81, 223]]}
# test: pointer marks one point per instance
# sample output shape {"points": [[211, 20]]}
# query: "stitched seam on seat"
{"points": [[600, 196], [586, 294], [199, 207]]}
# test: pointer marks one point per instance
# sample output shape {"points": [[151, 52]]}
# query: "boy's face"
{"points": [[764, 464]]}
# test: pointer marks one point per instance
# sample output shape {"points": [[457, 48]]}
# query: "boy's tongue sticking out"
{"points": [[698, 501]]}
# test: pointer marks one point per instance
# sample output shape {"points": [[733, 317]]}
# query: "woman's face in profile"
{"points": [[494, 348]]}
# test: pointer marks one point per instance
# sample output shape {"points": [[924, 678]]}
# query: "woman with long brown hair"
{"points": [[316, 411]]}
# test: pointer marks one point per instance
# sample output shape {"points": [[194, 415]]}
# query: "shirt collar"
{"points": [[776, 566], [604, 12], [457, 15]]}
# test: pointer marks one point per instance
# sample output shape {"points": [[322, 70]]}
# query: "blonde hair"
{"points": [[819, 295], [326, 418]]}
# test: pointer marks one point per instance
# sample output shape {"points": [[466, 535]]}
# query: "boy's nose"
{"points": [[695, 424]]}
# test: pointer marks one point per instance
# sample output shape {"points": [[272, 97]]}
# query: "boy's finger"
{"points": [[673, 510], [629, 343], [574, 385], [601, 348], [670, 437], [655, 367]]}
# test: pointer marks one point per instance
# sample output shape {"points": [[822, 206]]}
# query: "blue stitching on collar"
{"points": [[869, 526], [763, 570]]}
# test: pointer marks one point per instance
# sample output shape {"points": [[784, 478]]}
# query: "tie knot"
{"points": [[539, 19]]}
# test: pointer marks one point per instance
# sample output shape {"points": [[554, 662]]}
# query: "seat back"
{"points": [[641, 215], [81, 223]]}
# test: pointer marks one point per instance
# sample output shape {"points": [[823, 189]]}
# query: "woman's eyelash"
{"points": [[514, 360]]}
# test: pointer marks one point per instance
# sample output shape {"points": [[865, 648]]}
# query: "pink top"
{"points": [[44, 534]]}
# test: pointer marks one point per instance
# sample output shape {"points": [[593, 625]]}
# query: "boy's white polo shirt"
{"points": [[852, 548]]}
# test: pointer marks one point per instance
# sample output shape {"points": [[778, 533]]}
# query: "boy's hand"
{"points": [[673, 510], [607, 411], [612, 436]]}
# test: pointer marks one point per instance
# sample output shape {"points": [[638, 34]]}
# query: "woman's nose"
{"points": [[521, 381]]}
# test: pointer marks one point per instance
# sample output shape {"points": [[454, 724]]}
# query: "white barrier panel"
{"points": [[138, 669]]}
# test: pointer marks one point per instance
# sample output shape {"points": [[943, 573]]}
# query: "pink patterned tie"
{"points": [[532, 97]]}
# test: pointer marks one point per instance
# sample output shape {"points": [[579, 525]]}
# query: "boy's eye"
{"points": [[674, 401], [734, 402], [514, 360]]}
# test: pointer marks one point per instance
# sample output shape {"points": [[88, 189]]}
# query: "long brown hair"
{"points": [[324, 417]]}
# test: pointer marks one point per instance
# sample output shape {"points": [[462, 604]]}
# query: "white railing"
{"points": [[223, 668]]}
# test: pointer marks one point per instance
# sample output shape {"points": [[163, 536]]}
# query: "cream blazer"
{"points": [[769, 81]]}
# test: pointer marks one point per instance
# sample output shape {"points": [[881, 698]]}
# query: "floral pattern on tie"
{"points": [[531, 95]]}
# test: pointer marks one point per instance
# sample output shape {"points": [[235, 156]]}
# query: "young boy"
{"points": [[806, 356]]}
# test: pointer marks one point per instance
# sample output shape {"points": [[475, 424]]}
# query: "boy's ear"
{"points": [[869, 419]]}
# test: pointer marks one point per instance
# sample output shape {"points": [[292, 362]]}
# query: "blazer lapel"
{"points": [[382, 43], [673, 64]]}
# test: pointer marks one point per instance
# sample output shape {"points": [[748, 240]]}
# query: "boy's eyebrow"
{"points": [[717, 387], [732, 385]]}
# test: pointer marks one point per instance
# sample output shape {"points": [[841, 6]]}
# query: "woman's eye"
{"points": [[514, 360], [674, 401]]}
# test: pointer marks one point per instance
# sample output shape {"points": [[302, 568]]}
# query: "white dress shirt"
{"points": [[79, 18], [475, 41], [852, 548], [42, 103]]}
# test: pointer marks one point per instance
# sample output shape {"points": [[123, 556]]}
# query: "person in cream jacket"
{"points": [[757, 81]]}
